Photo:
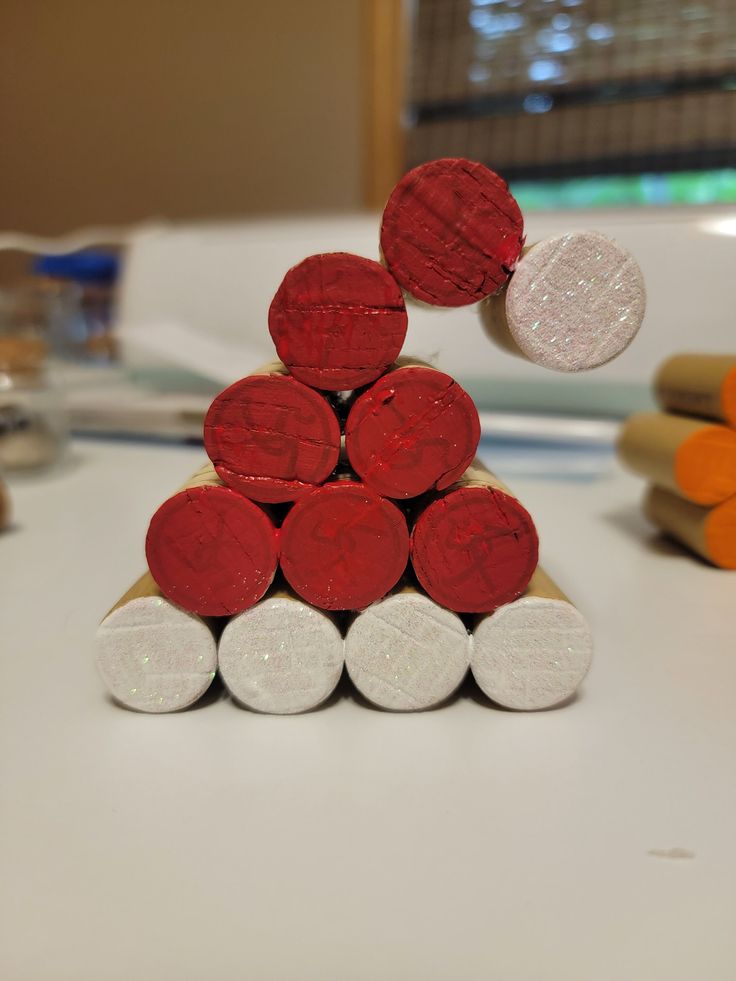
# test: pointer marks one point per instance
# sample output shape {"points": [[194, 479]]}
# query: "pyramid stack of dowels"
{"points": [[343, 519], [687, 453]]}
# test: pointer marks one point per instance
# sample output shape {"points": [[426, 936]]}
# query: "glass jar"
{"points": [[33, 422]]}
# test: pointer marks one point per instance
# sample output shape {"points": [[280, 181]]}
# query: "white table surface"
{"points": [[464, 843]]}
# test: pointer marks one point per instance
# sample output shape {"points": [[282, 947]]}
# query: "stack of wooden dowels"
{"points": [[687, 452], [343, 519]]}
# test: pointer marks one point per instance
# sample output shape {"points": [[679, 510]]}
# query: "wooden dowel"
{"points": [[710, 532], [211, 550], [152, 655], [474, 547], [574, 302], [343, 546], [407, 653], [451, 232], [693, 458], [699, 385], [282, 656], [338, 321], [5, 510], [532, 653], [413, 430], [271, 437]]}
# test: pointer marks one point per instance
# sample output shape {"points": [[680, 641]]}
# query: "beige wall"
{"points": [[112, 112]]}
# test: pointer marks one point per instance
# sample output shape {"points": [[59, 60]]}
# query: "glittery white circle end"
{"points": [[406, 653], [155, 657], [282, 656], [531, 654], [575, 301]]}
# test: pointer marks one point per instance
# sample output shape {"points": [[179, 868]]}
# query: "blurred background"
{"points": [[194, 151]]}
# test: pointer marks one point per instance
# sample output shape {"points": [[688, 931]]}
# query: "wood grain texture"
{"points": [[152, 655], [338, 321], [413, 430], [534, 652], [452, 232], [474, 547], [343, 546], [211, 551], [271, 437]]}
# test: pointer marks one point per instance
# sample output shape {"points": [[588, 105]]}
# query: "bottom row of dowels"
{"points": [[403, 653]]}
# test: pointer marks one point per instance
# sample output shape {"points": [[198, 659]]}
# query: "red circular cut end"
{"points": [[338, 321], [343, 547], [212, 551], [415, 429], [474, 549], [452, 232], [272, 438]]}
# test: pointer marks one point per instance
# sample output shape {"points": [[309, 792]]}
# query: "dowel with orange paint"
{"points": [[699, 385], [413, 430], [338, 321], [474, 547], [532, 653], [690, 457], [152, 655], [282, 656], [709, 532], [271, 437], [211, 550]]}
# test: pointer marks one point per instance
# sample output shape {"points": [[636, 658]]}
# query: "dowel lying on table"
{"points": [[407, 653], [343, 546], [338, 321], [710, 532], [695, 459], [4, 505], [271, 437], [413, 430], [281, 656], [451, 232], [211, 550], [152, 655], [532, 653], [573, 303], [699, 385], [474, 547]]}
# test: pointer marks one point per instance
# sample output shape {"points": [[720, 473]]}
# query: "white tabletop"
{"points": [[463, 843]]}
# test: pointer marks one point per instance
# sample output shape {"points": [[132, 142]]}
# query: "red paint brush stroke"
{"points": [[272, 438], [415, 429], [474, 549], [338, 321], [212, 551], [343, 547], [452, 232]]}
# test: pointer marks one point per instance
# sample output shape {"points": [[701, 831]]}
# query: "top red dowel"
{"points": [[338, 321], [452, 232]]}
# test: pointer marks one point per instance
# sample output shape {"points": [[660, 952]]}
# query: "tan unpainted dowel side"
{"points": [[698, 384], [692, 457], [709, 532], [478, 475], [542, 586], [493, 317], [4, 506]]}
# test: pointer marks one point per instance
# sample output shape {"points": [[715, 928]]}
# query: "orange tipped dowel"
{"points": [[710, 532], [699, 385], [692, 458]]}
